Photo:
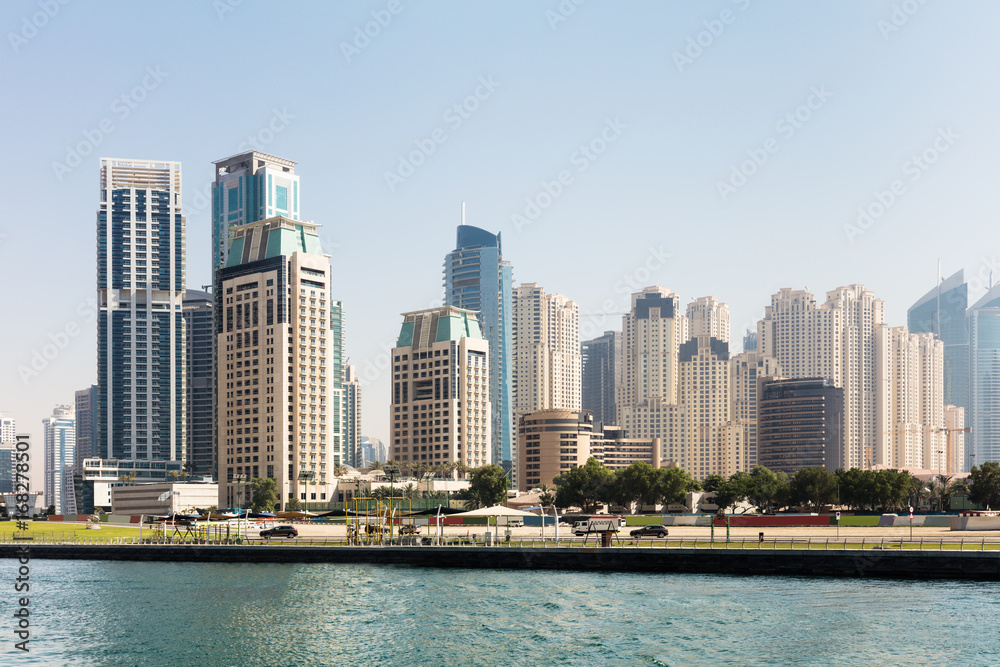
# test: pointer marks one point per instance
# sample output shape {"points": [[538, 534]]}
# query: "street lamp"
{"points": [[392, 470], [307, 476], [239, 479]]}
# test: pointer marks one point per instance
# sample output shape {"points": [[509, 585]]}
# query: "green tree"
{"points": [[293, 505], [585, 485], [487, 487], [733, 490], [813, 487], [263, 494], [984, 485], [671, 485], [635, 484], [713, 482], [767, 490]]}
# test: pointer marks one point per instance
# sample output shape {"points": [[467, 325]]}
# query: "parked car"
{"points": [[650, 531], [409, 529], [280, 531]]}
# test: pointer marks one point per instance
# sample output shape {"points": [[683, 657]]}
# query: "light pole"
{"points": [[307, 476], [239, 479], [392, 470]]}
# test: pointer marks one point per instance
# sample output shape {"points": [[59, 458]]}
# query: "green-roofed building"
{"points": [[278, 336], [440, 408]]}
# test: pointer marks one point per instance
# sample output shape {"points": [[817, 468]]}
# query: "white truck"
{"points": [[596, 525]]}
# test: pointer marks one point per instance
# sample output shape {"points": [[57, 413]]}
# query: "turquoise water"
{"points": [[110, 613]]}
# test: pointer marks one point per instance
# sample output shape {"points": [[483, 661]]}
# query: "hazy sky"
{"points": [[646, 111]]}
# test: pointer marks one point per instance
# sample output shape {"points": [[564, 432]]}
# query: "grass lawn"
{"points": [[38, 529]]}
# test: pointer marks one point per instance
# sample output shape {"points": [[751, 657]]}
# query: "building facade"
{"points": [[984, 398], [714, 442], [600, 362], [352, 418], [274, 342], [477, 278], [140, 328], [910, 416], [545, 351], [836, 340], [551, 442], [800, 425], [60, 447], [747, 370], [86, 414], [199, 320], [652, 333], [708, 317], [249, 187], [440, 409]]}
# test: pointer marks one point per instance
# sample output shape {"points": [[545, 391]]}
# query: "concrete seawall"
{"points": [[983, 565]]}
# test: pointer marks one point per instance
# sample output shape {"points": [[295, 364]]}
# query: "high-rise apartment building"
{"points": [[715, 443], [747, 370], [352, 418], [249, 187], [60, 446], [652, 333], [708, 317], [440, 410], [335, 368], [954, 422], [477, 278], [140, 328], [984, 398], [551, 442], [800, 425], [910, 416], [199, 362], [546, 350], [835, 340], [600, 375], [86, 405], [942, 312], [8, 441], [274, 343]]}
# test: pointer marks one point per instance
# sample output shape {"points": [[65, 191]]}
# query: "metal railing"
{"points": [[477, 540]]}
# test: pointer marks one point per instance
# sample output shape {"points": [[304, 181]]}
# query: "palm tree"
{"points": [[376, 465]]}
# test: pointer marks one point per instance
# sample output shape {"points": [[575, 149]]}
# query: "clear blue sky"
{"points": [[678, 129]]}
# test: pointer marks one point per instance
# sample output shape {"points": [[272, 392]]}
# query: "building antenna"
{"points": [[463, 214], [939, 270]]}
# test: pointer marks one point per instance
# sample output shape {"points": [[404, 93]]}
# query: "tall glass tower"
{"points": [[984, 338], [476, 278], [942, 312], [140, 329]]}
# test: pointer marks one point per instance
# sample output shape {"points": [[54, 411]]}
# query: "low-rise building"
{"points": [[180, 497]]}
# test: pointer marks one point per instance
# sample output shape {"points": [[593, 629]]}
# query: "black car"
{"points": [[280, 531], [650, 531]]}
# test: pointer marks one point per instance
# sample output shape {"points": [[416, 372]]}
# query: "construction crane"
{"points": [[950, 448]]}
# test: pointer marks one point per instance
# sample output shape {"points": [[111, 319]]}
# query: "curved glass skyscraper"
{"points": [[984, 339], [476, 278]]}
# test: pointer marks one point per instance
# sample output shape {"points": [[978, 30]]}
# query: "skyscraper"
{"points": [[477, 278], [546, 350], [835, 340], [249, 187], [715, 443], [800, 425], [747, 370], [335, 367], [140, 328], [352, 418], [60, 445], [910, 412], [440, 410], [600, 375], [8, 429], [274, 343], [708, 317], [86, 426], [199, 363], [984, 341]]}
